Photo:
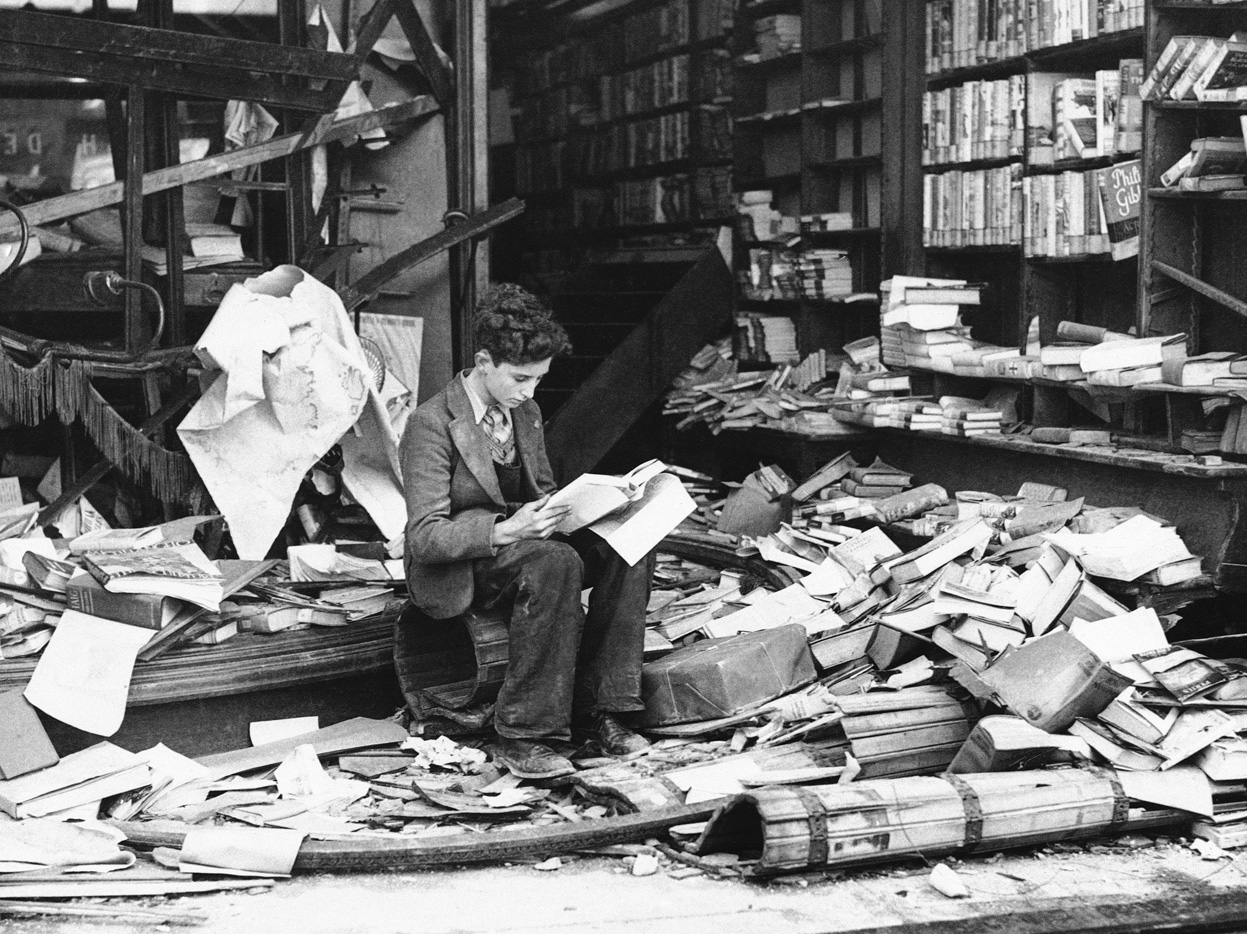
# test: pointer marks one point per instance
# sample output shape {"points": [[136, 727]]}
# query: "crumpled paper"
{"points": [[285, 379]]}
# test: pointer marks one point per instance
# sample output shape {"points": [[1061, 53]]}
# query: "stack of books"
{"points": [[771, 274], [920, 321], [877, 480], [764, 221], [768, 338], [969, 417], [824, 274], [777, 35], [827, 221], [1213, 163]]}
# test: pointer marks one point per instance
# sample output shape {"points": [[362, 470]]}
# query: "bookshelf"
{"points": [[1191, 276], [1009, 195], [811, 92], [621, 130]]}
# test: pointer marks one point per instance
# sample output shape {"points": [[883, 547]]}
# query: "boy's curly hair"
{"points": [[516, 327]]}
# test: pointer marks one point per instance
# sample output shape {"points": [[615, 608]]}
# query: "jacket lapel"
{"points": [[526, 425], [470, 441]]}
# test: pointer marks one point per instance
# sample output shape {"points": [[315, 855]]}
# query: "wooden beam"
{"points": [[441, 81], [370, 26], [145, 46], [1220, 296], [375, 280], [220, 83], [327, 130]]}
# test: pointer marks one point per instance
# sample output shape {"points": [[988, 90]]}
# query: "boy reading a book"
{"points": [[479, 532]]}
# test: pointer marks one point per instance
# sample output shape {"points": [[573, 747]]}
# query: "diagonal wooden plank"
{"points": [[640, 368], [371, 25], [326, 130], [441, 81], [375, 279]]}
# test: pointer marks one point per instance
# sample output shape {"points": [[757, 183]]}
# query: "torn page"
{"points": [[1130, 550], [240, 851], [1183, 787], [252, 446], [83, 676], [1118, 639], [774, 609], [268, 731]]}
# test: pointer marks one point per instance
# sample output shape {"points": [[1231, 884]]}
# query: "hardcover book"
{"points": [[149, 610], [171, 569], [1121, 192]]}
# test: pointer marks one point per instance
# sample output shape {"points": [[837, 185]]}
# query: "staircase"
{"points": [[635, 318]]}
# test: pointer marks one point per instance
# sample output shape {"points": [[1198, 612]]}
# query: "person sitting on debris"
{"points": [[479, 533]]}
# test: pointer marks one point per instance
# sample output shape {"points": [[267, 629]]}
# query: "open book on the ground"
{"points": [[633, 512], [171, 569]]}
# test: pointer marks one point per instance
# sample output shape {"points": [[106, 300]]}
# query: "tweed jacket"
{"points": [[453, 496]]}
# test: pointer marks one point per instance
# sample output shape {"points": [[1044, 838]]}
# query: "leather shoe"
{"points": [[529, 759], [614, 739]]}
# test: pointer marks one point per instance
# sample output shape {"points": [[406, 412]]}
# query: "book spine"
{"points": [[142, 610]]}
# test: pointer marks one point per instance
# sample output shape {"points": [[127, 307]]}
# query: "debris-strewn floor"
{"points": [[599, 894]]}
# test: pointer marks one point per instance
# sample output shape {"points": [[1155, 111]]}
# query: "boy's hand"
{"points": [[532, 521]]}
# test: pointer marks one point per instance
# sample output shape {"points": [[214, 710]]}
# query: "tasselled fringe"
{"points": [[63, 388], [26, 393]]}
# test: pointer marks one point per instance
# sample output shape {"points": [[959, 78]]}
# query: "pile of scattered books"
{"points": [[157, 578], [710, 390], [995, 576]]}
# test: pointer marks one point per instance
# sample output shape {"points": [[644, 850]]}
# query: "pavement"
{"points": [[1065, 887]]}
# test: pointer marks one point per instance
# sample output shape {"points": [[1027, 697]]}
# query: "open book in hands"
{"points": [[593, 495], [633, 513]]}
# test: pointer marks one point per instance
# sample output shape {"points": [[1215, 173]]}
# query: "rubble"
{"points": [[943, 647]]}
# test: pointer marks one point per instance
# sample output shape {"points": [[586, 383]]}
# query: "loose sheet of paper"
{"points": [[1118, 639], [289, 378], [268, 731], [827, 579], [775, 609], [83, 676], [10, 493], [1126, 552], [1184, 787], [240, 851]]}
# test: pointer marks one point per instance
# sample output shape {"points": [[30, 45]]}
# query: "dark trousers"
{"points": [[563, 661]]}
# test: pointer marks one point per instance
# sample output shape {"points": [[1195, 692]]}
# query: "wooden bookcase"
{"points": [[622, 132], [1192, 277], [809, 126], [1025, 283]]}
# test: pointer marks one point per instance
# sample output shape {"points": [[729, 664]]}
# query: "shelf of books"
{"points": [[1192, 279], [809, 142], [1029, 125], [622, 129]]}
